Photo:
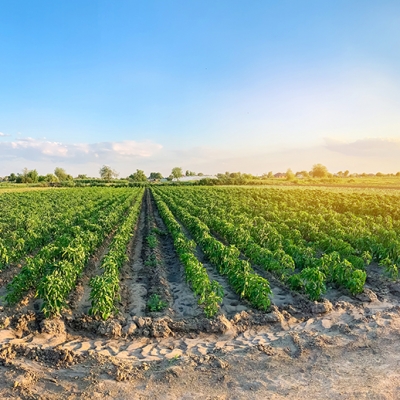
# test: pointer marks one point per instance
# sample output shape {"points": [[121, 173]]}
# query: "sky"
{"points": [[209, 86]]}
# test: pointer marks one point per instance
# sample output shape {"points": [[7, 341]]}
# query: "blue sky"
{"points": [[209, 86]]}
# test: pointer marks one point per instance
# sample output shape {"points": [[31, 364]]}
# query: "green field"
{"points": [[309, 239]]}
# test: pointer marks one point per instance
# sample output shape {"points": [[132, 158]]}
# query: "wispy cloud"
{"points": [[39, 150], [370, 147], [3, 134]]}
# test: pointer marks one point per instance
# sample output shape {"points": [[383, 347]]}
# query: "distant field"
{"points": [[16, 188], [391, 182]]}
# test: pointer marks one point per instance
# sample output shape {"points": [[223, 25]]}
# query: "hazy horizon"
{"points": [[206, 86]]}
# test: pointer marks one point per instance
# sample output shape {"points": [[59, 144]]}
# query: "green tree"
{"points": [[155, 176], [61, 174], [24, 175], [32, 176], [138, 176], [289, 175], [107, 173], [177, 173], [319, 171], [50, 178], [302, 174]]}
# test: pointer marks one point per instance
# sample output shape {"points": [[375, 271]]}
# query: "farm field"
{"points": [[186, 288]]}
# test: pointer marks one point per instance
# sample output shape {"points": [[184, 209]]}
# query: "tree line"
{"points": [[108, 174]]}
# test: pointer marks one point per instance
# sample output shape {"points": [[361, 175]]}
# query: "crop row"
{"points": [[55, 268], [239, 273], [31, 220], [278, 229], [105, 288], [273, 252], [210, 292]]}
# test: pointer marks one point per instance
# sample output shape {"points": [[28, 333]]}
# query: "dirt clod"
{"points": [[110, 328], [53, 326], [321, 308]]}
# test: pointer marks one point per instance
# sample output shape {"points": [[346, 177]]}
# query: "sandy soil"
{"points": [[350, 352]]}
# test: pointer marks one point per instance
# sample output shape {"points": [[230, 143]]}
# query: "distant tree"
{"points": [[379, 174], [303, 174], [12, 177], [289, 175], [155, 176], [346, 173], [23, 176], [177, 173], [32, 176], [270, 174], [200, 174], [27, 176], [82, 176], [61, 174], [397, 174], [107, 173], [51, 178], [319, 171], [190, 173], [138, 176]]}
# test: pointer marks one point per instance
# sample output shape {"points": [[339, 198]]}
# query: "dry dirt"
{"points": [[350, 352], [345, 347]]}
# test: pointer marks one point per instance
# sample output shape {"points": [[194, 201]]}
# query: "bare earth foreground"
{"points": [[350, 352]]}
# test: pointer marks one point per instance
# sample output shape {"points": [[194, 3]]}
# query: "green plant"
{"points": [[152, 240], [391, 269], [154, 303], [151, 261]]}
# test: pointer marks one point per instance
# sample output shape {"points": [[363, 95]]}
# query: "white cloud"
{"points": [[3, 134], [42, 150]]}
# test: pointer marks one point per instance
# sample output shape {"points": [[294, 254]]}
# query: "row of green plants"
{"points": [[283, 252], [29, 220], [105, 288], [354, 226], [312, 273], [54, 269], [210, 293], [322, 231], [240, 275]]}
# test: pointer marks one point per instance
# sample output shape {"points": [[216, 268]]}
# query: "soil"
{"points": [[343, 347]]}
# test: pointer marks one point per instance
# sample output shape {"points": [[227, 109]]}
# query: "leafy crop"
{"points": [[154, 303], [239, 273], [105, 287], [210, 292]]}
